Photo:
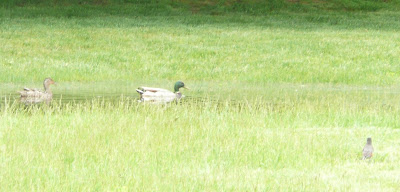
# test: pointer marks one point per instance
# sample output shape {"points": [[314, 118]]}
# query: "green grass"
{"points": [[295, 141], [279, 102], [69, 44], [224, 6]]}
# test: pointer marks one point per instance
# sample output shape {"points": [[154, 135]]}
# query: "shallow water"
{"points": [[81, 92], [207, 91], [74, 92]]}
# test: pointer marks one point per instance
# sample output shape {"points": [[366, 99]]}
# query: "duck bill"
{"points": [[185, 87]]}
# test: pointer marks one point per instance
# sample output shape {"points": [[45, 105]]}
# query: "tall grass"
{"points": [[309, 145]]}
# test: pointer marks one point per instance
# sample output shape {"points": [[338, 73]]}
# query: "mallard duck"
{"points": [[35, 93], [158, 95]]}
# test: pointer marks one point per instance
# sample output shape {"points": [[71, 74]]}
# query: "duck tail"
{"points": [[22, 93], [139, 91]]}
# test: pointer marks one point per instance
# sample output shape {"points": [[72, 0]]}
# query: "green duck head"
{"points": [[178, 85]]}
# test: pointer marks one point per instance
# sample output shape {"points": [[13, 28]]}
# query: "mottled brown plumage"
{"points": [[35, 93]]}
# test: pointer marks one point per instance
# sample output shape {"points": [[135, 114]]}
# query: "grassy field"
{"points": [[295, 142], [278, 102], [71, 45]]}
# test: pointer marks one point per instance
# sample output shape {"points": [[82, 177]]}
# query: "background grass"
{"points": [[223, 6], [127, 43], [282, 98]]}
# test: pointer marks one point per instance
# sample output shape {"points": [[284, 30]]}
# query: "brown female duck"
{"points": [[34, 93]]}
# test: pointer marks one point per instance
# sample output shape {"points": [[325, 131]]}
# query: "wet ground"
{"points": [[73, 92], [66, 92]]}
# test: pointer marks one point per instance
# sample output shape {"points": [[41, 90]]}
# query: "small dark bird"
{"points": [[368, 149]]}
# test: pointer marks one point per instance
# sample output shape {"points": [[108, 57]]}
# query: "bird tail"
{"points": [[22, 93], [139, 91]]}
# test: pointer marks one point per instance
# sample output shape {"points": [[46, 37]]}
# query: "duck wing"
{"points": [[142, 90], [27, 92], [34, 89], [158, 97], [152, 89]]}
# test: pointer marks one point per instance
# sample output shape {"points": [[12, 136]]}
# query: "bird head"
{"points": [[48, 81], [369, 140], [178, 85]]}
